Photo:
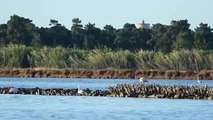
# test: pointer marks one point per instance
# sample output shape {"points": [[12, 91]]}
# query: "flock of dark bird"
{"points": [[141, 90]]}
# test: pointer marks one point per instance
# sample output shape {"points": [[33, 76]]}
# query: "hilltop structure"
{"points": [[142, 25]]}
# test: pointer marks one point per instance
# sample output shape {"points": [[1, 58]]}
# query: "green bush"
{"points": [[14, 56]]}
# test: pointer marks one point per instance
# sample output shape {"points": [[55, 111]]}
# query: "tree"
{"points": [[176, 27], [141, 38], [184, 40], [3, 35], [36, 38], [54, 23], [56, 35], [77, 33], [108, 36], [203, 37], [180, 35], [92, 36], [159, 39], [131, 38], [21, 31], [123, 37]]}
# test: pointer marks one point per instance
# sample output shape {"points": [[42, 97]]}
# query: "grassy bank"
{"points": [[105, 73]]}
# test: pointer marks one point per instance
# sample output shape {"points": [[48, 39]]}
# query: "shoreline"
{"points": [[105, 73]]}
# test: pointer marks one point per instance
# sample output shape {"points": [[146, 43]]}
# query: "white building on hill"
{"points": [[142, 25]]}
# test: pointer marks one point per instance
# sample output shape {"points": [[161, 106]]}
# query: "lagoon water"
{"points": [[34, 107], [69, 83]]}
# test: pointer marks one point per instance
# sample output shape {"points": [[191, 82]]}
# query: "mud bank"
{"points": [[138, 90], [105, 73]]}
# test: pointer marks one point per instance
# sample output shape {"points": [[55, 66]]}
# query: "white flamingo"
{"points": [[142, 80], [198, 80], [13, 90], [80, 91]]}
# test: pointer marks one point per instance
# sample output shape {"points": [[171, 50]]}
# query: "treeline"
{"points": [[163, 38], [20, 56]]}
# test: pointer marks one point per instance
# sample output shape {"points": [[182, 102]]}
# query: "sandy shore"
{"points": [[104, 73]]}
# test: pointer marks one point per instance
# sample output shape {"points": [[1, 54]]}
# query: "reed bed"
{"points": [[20, 56]]}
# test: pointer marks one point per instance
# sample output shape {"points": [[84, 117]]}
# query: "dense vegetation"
{"points": [[173, 46], [59, 57], [164, 38]]}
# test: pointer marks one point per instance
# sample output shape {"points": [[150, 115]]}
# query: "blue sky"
{"points": [[113, 12]]}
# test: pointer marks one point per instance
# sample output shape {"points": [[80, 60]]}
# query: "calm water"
{"points": [[29, 107], [32, 107], [85, 83]]}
